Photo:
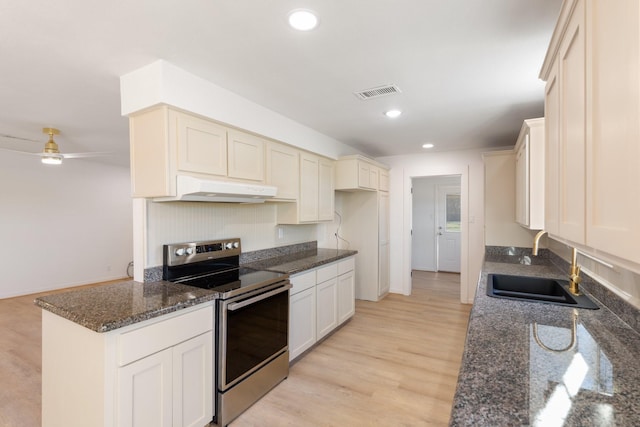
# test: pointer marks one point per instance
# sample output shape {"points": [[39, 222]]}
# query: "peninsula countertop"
{"points": [[520, 368], [108, 307]]}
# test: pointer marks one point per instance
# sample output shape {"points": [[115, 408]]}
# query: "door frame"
{"points": [[466, 293]]}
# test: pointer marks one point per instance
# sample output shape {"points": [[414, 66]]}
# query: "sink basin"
{"points": [[536, 289]]}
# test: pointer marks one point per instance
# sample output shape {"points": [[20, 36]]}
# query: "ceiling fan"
{"points": [[51, 154]]}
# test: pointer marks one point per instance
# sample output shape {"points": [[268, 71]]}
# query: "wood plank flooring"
{"points": [[394, 364]]}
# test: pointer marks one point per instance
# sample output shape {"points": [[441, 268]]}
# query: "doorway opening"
{"points": [[436, 230]]}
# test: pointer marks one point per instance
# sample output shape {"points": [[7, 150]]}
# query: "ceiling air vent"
{"points": [[377, 92]]}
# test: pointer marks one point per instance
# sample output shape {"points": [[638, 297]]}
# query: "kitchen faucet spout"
{"points": [[536, 241]]}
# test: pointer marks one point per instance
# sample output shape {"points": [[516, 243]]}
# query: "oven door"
{"points": [[253, 330]]}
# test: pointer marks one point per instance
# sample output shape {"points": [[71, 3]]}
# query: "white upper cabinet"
{"points": [[326, 190], [283, 170], [166, 142], [530, 179], [245, 156], [315, 201], [613, 131], [202, 145], [359, 173], [592, 105]]}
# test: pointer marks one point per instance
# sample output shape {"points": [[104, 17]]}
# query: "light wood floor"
{"points": [[394, 364]]}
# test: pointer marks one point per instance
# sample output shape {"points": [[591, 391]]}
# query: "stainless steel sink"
{"points": [[536, 289]]}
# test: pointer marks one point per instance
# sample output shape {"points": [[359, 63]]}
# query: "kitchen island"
{"points": [[529, 363]]}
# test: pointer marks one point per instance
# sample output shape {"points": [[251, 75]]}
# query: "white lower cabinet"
{"points": [[155, 373], [302, 322], [346, 290], [145, 388], [320, 300], [173, 387], [326, 307]]}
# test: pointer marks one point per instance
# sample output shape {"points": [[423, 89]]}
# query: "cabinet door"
{"points": [[384, 180], [384, 282], [364, 174], [309, 170], [613, 141], [202, 146], [145, 392], [245, 156], [326, 190], [522, 183], [302, 322], [373, 177], [572, 128], [193, 382], [552, 151], [326, 307], [346, 296], [283, 170]]}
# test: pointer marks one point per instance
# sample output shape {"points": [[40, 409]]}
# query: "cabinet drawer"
{"points": [[150, 339], [346, 265], [328, 272], [302, 282]]}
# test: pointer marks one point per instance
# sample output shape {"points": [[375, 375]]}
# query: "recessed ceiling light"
{"points": [[392, 114], [427, 145], [303, 19]]}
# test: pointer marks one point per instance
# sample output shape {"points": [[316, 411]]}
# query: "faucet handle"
{"points": [[575, 276]]}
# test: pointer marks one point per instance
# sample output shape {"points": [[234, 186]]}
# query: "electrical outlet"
{"points": [[280, 233]]}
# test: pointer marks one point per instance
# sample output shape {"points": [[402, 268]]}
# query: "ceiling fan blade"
{"points": [[21, 152], [81, 155], [4, 135]]}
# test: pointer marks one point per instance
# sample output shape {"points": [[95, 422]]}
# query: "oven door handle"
{"points": [[237, 305]]}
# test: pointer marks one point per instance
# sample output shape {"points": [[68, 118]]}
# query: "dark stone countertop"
{"points": [[508, 378], [108, 307], [300, 261]]}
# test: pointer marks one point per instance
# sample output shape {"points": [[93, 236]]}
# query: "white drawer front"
{"points": [[328, 272], [346, 265], [302, 282], [150, 339]]}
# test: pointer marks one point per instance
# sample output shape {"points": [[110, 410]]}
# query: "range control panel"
{"points": [[186, 253]]}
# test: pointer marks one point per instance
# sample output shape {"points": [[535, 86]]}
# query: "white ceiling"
{"points": [[468, 69]]}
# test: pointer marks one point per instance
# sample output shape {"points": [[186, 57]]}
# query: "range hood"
{"points": [[193, 189]]}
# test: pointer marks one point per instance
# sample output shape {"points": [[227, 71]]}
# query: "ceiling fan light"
{"points": [[51, 160]]}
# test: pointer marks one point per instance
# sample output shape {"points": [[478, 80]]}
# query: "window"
{"points": [[453, 213]]}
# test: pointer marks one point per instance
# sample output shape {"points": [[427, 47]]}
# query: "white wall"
{"points": [[468, 164], [501, 228], [62, 226], [423, 243]]}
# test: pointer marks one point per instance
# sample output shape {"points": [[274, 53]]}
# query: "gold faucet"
{"points": [[536, 241], [574, 273], [574, 270]]}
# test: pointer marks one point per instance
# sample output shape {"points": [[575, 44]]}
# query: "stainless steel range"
{"points": [[252, 320]]}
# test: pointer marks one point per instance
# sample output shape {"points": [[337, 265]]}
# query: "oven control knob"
{"points": [[228, 245], [180, 251], [236, 245], [189, 251]]}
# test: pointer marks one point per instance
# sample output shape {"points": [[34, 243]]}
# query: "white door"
{"points": [[448, 232]]}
